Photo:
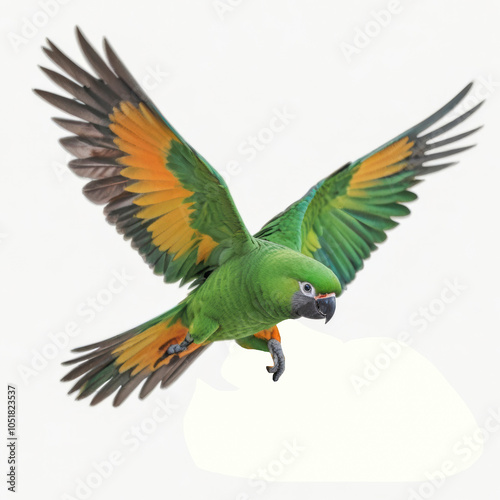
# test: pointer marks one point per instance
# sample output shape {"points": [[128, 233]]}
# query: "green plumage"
{"points": [[253, 292]]}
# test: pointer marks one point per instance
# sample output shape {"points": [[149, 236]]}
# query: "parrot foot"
{"points": [[276, 351], [176, 348]]}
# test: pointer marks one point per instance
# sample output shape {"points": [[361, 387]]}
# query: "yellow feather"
{"points": [[141, 141], [144, 187], [169, 218], [157, 197], [183, 239], [154, 211], [135, 121], [362, 176], [141, 174], [205, 247], [167, 238]]}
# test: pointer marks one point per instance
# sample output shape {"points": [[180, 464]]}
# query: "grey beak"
{"points": [[326, 307]]}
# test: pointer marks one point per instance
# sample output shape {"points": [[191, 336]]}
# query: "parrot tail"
{"points": [[123, 362]]}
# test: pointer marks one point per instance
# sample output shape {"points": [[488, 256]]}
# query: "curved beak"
{"points": [[326, 305]]}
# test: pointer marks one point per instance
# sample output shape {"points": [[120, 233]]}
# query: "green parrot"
{"points": [[179, 215]]}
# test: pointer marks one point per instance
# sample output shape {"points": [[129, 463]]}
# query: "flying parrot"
{"points": [[179, 215]]}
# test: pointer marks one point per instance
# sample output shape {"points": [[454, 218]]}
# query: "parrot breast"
{"points": [[250, 292]]}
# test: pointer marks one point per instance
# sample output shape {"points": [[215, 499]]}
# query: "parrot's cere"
{"points": [[179, 215]]}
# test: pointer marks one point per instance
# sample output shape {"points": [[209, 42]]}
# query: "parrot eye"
{"points": [[307, 288]]}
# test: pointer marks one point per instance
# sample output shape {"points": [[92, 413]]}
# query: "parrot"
{"points": [[178, 213]]}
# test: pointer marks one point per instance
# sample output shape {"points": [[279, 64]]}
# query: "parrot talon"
{"points": [[276, 351], [176, 348]]}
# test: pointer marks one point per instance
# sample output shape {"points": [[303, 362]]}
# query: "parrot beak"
{"points": [[326, 305], [319, 307]]}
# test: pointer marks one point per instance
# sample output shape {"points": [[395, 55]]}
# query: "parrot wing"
{"points": [[341, 219], [158, 191]]}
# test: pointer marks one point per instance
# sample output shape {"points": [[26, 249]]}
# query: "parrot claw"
{"points": [[276, 351], [176, 348]]}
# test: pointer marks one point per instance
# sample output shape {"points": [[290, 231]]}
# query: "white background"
{"points": [[222, 75]]}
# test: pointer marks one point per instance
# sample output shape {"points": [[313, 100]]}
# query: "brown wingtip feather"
{"points": [[102, 191]]}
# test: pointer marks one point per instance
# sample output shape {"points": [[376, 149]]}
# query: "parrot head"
{"points": [[305, 287], [315, 293], [308, 303]]}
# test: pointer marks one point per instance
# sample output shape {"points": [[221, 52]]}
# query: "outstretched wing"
{"points": [[158, 191], [342, 218]]}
